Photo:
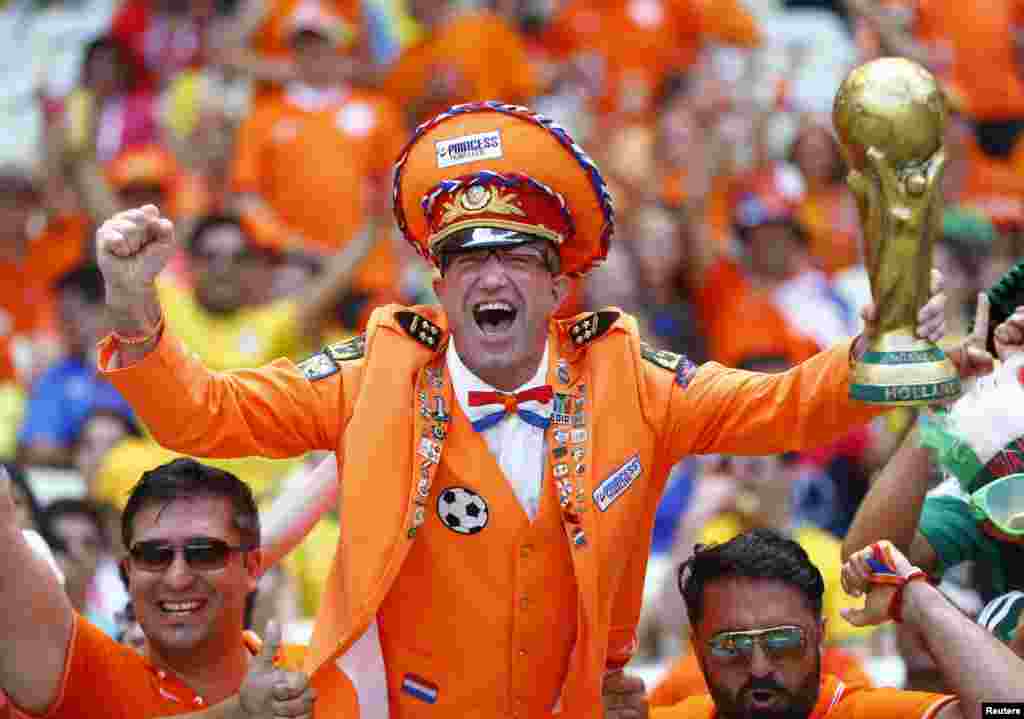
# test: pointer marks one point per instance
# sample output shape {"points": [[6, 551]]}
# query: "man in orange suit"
{"points": [[500, 469]]}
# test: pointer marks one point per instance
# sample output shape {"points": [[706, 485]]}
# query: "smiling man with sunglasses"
{"points": [[501, 468], [193, 539], [755, 607]]}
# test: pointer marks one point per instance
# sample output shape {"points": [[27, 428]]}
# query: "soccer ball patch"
{"points": [[462, 510]]}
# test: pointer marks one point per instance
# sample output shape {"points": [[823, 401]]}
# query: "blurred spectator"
{"points": [[163, 37], [30, 513], [106, 425], [827, 210], [760, 304], [628, 48], [62, 399], [960, 252], [37, 255], [80, 545], [345, 141], [463, 56], [257, 41], [108, 111], [41, 49]]}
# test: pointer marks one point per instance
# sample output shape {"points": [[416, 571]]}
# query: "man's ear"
{"points": [[122, 570], [254, 567], [438, 284], [561, 288]]}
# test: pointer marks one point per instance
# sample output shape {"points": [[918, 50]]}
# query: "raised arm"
{"points": [[301, 504], [275, 411], [974, 663], [37, 618], [892, 508]]}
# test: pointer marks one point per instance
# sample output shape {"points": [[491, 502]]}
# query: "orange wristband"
{"points": [[155, 332], [896, 603]]}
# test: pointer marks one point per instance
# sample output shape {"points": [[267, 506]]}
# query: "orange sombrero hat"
{"points": [[506, 168]]}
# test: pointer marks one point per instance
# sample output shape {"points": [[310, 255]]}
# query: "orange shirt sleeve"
{"points": [[730, 411], [886, 703], [98, 667], [273, 411]]}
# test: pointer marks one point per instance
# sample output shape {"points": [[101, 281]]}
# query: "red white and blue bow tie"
{"points": [[511, 403]]}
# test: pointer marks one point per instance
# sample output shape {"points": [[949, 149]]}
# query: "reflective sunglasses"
{"points": [[202, 554], [776, 642], [1002, 503]]}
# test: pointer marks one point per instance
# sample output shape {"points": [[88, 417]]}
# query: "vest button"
{"points": [[525, 551], [524, 602]]}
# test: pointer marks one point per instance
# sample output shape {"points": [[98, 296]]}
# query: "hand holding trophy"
{"points": [[890, 116]]}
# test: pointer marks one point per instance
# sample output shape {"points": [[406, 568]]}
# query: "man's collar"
{"points": [[464, 381]]}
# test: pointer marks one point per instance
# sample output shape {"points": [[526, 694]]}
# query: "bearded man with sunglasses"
{"points": [[500, 468], [193, 539], [754, 603]]}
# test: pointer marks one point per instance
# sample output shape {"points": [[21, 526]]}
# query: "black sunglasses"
{"points": [[202, 554]]}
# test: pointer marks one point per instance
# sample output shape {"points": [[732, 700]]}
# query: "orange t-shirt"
{"points": [[484, 57], [26, 305], [314, 168], [98, 667], [833, 227], [742, 323], [836, 700], [984, 67], [630, 46], [685, 679]]}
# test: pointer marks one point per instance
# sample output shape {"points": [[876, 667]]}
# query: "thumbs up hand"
{"points": [[270, 692]]}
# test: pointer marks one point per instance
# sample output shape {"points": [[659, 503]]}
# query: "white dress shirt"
{"points": [[517, 445]]}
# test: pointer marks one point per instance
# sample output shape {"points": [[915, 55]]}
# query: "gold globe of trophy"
{"points": [[890, 116]]}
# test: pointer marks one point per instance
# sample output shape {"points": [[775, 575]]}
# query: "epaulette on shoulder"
{"points": [[328, 361], [677, 363], [591, 326], [420, 328], [350, 349]]}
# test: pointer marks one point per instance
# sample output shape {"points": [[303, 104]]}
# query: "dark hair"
{"points": [[185, 478], [74, 508], [85, 278], [100, 44], [757, 554], [213, 221]]}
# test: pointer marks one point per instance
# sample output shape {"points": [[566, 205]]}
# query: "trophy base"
{"points": [[900, 370]]}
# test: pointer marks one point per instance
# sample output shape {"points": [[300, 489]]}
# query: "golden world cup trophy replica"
{"points": [[890, 115]]}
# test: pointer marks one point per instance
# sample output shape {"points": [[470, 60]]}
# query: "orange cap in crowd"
{"points": [[488, 174], [149, 165], [312, 16]]}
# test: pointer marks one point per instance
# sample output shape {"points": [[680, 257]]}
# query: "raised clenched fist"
{"points": [[132, 247]]}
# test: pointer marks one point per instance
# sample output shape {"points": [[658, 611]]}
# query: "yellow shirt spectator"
{"points": [[248, 337]]}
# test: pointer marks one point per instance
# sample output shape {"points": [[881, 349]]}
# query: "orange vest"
{"points": [[503, 596], [633, 412]]}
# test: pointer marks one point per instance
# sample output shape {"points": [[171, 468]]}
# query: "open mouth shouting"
{"points": [[495, 318]]}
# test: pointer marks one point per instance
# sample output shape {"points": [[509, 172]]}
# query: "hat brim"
{"points": [[485, 238]]}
